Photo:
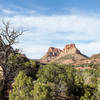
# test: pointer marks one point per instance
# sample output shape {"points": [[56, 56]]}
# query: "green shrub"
{"points": [[22, 88], [42, 91]]}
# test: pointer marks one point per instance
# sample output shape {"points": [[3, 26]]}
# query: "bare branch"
{"points": [[9, 34]]}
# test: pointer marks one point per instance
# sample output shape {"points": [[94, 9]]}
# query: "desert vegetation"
{"points": [[56, 82], [30, 80]]}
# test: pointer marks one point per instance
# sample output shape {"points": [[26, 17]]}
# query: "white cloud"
{"points": [[90, 48], [41, 8], [32, 50], [19, 11], [7, 11], [44, 30], [70, 23]]}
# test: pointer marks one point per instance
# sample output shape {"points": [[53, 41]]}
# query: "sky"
{"points": [[54, 23]]}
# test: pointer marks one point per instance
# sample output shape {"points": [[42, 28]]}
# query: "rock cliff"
{"points": [[70, 49], [51, 54], [69, 54]]}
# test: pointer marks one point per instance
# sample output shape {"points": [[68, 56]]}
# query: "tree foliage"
{"points": [[42, 91], [17, 62], [56, 81], [22, 88], [65, 82]]}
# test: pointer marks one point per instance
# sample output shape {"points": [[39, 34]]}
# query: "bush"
{"points": [[42, 91], [55, 81], [18, 62], [63, 78], [22, 88]]}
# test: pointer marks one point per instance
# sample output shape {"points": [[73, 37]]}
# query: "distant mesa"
{"points": [[68, 55], [51, 54]]}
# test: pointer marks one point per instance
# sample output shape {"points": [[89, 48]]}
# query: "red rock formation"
{"points": [[51, 54], [69, 46], [53, 51], [54, 54], [71, 49]]}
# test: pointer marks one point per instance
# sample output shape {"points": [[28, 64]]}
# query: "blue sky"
{"points": [[51, 6], [54, 23]]}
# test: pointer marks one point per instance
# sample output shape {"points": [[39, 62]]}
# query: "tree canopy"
{"points": [[22, 88]]}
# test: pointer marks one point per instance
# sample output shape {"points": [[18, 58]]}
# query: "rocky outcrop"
{"points": [[69, 54], [1, 79], [70, 49], [50, 55]]}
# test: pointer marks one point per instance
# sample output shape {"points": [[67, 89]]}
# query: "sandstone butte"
{"points": [[54, 54], [51, 53]]}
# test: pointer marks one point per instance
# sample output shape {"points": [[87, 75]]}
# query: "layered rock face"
{"points": [[68, 55], [53, 51], [71, 49], [51, 54]]}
